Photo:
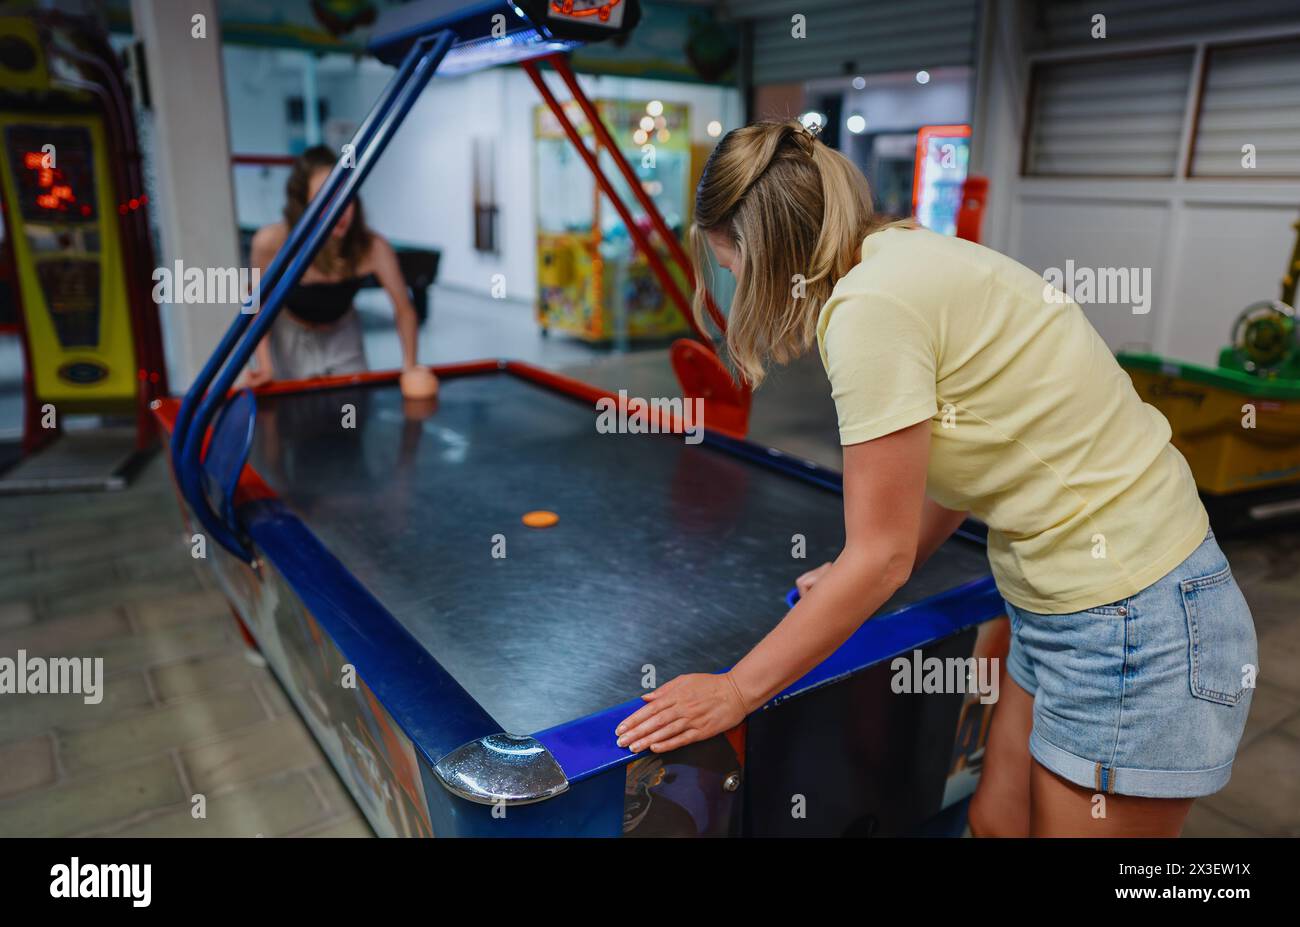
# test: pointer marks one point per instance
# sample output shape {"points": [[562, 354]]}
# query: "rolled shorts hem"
{"points": [[1123, 780], [1014, 671]]}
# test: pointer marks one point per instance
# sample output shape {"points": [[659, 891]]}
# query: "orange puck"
{"points": [[541, 519]]}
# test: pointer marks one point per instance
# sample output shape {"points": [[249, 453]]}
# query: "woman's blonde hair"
{"points": [[796, 212]]}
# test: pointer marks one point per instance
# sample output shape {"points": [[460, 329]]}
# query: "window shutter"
{"points": [[849, 37], [1060, 24], [1120, 116], [1252, 97]]}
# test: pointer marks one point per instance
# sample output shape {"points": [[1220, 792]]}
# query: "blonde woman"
{"points": [[962, 386]]}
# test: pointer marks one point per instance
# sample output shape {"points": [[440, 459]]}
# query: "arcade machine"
{"points": [[435, 736], [946, 197], [593, 281], [942, 160], [80, 257], [1238, 424]]}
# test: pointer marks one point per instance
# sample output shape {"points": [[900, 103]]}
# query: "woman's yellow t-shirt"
{"points": [[1036, 430]]}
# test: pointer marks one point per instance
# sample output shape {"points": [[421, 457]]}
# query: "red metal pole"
{"points": [[561, 65], [657, 265]]}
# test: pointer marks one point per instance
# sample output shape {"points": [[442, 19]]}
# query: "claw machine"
{"points": [[593, 282]]}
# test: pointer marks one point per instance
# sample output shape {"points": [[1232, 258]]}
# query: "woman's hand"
{"points": [[685, 709], [418, 382], [806, 582]]}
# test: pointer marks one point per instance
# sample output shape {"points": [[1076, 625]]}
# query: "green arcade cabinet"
{"points": [[1238, 424]]}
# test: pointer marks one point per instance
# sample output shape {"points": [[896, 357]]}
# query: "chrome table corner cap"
{"points": [[510, 768]]}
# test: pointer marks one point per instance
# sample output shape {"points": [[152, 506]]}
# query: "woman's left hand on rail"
{"points": [[806, 581], [684, 710]]}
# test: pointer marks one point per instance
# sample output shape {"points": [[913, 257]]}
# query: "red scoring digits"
{"points": [[48, 178]]}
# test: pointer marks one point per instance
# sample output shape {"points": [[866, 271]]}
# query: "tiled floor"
{"points": [[185, 712], [1264, 794]]}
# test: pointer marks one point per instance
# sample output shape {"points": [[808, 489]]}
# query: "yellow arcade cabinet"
{"points": [[81, 255]]}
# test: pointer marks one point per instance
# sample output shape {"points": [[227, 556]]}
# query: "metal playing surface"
{"points": [[666, 555]]}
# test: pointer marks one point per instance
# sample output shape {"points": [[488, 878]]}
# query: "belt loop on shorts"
{"points": [[1104, 780]]}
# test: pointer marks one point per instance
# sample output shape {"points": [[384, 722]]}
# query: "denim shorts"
{"points": [[1147, 696]]}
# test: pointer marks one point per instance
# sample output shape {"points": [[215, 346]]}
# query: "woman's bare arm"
{"points": [[884, 497], [389, 273], [884, 500], [937, 525], [266, 243]]}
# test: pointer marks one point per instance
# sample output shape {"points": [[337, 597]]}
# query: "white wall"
{"points": [[420, 192], [1213, 246], [258, 81]]}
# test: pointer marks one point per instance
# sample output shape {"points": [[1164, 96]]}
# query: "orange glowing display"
{"points": [[57, 192], [598, 8], [50, 190]]}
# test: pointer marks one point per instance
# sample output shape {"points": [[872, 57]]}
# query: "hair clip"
{"points": [[811, 125]]}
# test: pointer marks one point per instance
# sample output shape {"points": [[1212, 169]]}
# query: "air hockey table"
{"points": [[464, 673]]}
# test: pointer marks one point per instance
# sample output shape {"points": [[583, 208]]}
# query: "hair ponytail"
{"points": [[796, 211]]}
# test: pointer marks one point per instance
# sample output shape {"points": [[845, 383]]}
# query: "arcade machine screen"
{"points": [[942, 159], [53, 169], [608, 13]]}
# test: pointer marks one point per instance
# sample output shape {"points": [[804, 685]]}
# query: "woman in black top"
{"points": [[318, 333]]}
